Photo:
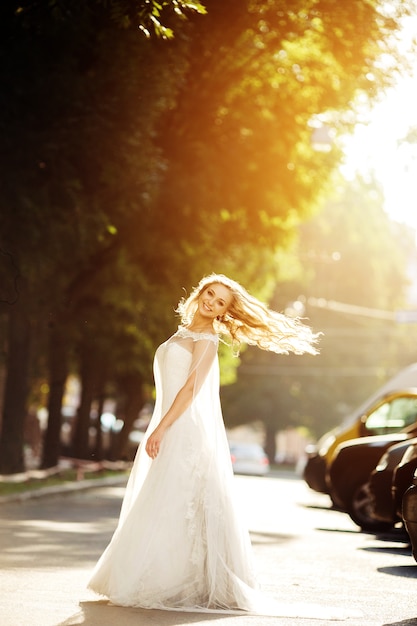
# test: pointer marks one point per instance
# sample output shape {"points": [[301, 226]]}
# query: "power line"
{"points": [[335, 372], [401, 316]]}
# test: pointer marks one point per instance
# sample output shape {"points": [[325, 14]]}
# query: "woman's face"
{"points": [[214, 300]]}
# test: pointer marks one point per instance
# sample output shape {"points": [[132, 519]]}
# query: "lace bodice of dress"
{"points": [[185, 333]]}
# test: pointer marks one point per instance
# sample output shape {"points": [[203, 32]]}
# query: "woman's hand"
{"points": [[153, 443]]}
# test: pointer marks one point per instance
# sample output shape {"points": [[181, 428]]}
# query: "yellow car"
{"points": [[388, 410]]}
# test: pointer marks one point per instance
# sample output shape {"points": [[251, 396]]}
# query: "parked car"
{"points": [[382, 502], [353, 461], [360, 423], [403, 476], [409, 511], [388, 414], [249, 458], [349, 476]]}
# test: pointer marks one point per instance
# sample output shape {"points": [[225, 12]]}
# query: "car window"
{"points": [[248, 451], [392, 416]]}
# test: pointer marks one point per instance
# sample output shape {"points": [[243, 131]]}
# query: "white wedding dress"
{"points": [[180, 543]]}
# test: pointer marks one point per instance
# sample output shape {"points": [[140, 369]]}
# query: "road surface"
{"points": [[311, 559]]}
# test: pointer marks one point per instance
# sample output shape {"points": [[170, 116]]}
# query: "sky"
{"points": [[376, 146]]}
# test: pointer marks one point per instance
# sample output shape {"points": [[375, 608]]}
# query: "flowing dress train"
{"points": [[180, 543]]}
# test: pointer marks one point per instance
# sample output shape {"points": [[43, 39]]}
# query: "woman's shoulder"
{"points": [[186, 333]]}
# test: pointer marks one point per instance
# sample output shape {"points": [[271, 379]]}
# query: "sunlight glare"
{"points": [[378, 147]]}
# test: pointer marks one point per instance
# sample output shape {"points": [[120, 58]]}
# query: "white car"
{"points": [[249, 458]]}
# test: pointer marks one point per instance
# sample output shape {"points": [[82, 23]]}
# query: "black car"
{"points": [[403, 476], [381, 481], [349, 475], [353, 461], [409, 511]]}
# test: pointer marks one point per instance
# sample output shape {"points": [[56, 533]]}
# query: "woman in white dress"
{"points": [[180, 543]]}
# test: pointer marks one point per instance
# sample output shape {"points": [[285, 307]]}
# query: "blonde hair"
{"points": [[248, 320]]}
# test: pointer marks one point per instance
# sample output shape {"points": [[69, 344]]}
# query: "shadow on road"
{"points": [[101, 613], [58, 531], [405, 622], [401, 550], [351, 531], [260, 538], [407, 571], [318, 507]]}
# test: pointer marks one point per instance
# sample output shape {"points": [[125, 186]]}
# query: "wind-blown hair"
{"points": [[248, 320]]}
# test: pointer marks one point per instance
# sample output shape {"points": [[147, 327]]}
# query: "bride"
{"points": [[180, 543]]}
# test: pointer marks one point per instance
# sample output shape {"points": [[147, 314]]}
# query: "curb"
{"points": [[65, 489], [84, 485]]}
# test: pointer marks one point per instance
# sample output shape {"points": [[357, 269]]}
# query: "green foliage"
{"points": [[350, 253], [353, 252], [152, 20], [242, 167]]}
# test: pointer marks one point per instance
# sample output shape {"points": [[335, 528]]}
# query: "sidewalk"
{"points": [[64, 486]]}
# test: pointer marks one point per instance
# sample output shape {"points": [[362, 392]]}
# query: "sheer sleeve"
{"points": [[204, 352]]}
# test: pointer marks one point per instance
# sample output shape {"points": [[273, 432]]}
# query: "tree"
{"points": [[239, 139], [116, 142], [60, 210]]}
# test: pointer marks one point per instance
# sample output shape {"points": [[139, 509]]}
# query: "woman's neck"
{"points": [[199, 324]]}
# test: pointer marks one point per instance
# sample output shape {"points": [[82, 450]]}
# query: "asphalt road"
{"points": [[312, 560]]}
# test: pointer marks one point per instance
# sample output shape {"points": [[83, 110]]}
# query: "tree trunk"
{"points": [[88, 372], [58, 372], [16, 391], [133, 388], [270, 446], [2, 386], [98, 449]]}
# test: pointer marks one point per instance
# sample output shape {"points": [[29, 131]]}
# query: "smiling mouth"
{"points": [[206, 307]]}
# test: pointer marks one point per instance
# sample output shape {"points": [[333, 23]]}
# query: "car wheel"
{"points": [[360, 510]]}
